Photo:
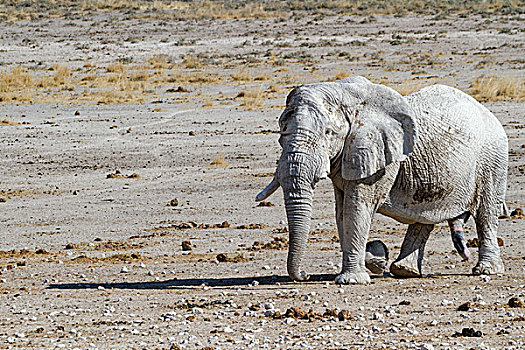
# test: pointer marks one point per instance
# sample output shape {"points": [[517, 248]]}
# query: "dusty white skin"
{"points": [[432, 156]]}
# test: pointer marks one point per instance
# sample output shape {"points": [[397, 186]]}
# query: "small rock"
{"points": [[173, 203], [465, 306], [485, 278], [343, 315], [288, 320], [469, 332], [427, 347], [516, 302], [227, 329], [186, 246], [517, 213], [377, 316], [477, 298], [124, 269]]}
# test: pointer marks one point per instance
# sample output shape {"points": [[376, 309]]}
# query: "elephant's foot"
{"points": [[375, 264], [488, 267], [376, 257], [352, 278], [406, 267]]}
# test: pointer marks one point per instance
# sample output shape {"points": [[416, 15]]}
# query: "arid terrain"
{"points": [[133, 141]]}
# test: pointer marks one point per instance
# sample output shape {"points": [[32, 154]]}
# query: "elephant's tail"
{"points": [[505, 209]]}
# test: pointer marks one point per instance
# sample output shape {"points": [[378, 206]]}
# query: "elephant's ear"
{"points": [[383, 130]]}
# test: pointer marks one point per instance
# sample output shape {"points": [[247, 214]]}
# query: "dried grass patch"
{"points": [[244, 74], [115, 68], [251, 97], [222, 9], [494, 88], [219, 161], [409, 87], [117, 83], [341, 75], [6, 122], [16, 85]]}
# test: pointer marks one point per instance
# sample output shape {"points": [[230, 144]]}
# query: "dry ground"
{"points": [[108, 116]]}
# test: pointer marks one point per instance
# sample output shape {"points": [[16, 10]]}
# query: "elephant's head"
{"points": [[360, 125]]}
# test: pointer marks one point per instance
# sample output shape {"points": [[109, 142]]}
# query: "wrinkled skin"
{"points": [[435, 155]]}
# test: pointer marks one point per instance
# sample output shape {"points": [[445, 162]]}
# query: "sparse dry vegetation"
{"points": [[219, 161], [408, 87], [494, 88], [7, 122], [116, 83], [251, 97], [222, 9]]}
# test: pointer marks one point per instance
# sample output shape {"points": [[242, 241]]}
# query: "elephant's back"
{"points": [[441, 104], [438, 179]]}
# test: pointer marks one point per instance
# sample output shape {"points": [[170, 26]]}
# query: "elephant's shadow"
{"points": [[194, 282], [219, 282]]}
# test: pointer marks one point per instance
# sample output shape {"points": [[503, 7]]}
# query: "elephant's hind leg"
{"points": [[489, 261], [408, 263]]}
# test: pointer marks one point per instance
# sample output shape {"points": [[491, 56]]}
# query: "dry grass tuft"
{"points": [[341, 75], [15, 85], [242, 74], [219, 161], [6, 122], [159, 62], [191, 61], [226, 9], [408, 87], [493, 88], [252, 97], [15, 79], [115, 68]]}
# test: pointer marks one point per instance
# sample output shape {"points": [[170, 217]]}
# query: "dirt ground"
{"points": [[127, 206]]}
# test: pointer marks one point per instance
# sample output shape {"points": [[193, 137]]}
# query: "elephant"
{"points": [[432, 156]]}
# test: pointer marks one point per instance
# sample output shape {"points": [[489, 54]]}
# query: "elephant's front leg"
{"points": [[357, 211], [408, 263]]}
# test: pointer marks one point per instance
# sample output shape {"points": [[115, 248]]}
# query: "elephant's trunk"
{"points": [[299, 212], [297, 184]]}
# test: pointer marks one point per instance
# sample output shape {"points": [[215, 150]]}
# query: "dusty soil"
{"points": [[92, 252]]}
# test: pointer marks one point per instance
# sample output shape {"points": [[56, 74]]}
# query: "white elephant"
{"points": [[431, 156]]}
